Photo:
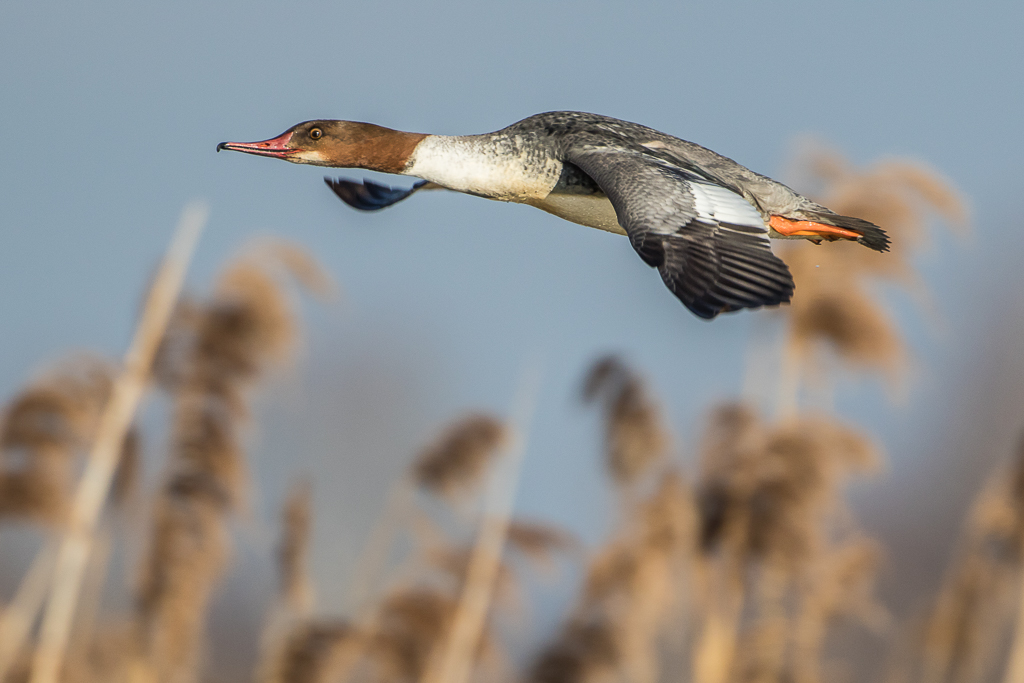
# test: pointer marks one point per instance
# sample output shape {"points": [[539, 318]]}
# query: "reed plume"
{"points": [[631, 597], [411, 622], [540, 543], [100, 469], [299, 647], [635, 437], [458, 458], [777, 483], [296, 590], [469, 632], [839, 586], [406, 630], [738, 574], [583, 650], [771, 514], [632, 584], [209, 363], [836, 307], [435, 623], [976, 611], [316, 651], [43, 431], [410, 625]]}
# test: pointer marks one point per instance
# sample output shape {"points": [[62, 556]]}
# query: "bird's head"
{"points": [[340, 144]]}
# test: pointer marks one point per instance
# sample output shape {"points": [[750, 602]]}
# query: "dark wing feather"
{"points": [[367, 195], [709, 244]]}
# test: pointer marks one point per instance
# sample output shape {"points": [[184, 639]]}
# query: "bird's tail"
{"points": [[832, 226], [871, 236]]}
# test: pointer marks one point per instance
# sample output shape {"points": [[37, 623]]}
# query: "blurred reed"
{"points": [[837, 315], [975, 629], [747, 568], [44, 432], [45, 429], [217, 350], [633, 584], [126, 393]]}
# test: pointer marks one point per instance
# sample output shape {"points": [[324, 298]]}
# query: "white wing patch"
{"points": [[721, 205]]}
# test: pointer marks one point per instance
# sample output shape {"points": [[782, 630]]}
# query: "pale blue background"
{"points": [[110, 112]]}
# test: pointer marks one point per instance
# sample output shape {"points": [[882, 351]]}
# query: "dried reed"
{"points": [[973, 616], [218, 350], [283, 650], [459, 457], [632, 584], [43, 430], [400, 635], [411, 626], [17, 618], [296, 589], [632, 589], [454, 663], [584, 650], [452, 564], [740, 576], [836, 308], [634, 434], [373, 558], [538, 542], [92, 491], [296, 647], [769, 501], [315, 652], [839, 585], [105, 658]]}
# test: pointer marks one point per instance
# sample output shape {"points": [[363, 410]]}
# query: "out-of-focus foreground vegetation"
{"points": [[752, 567]]}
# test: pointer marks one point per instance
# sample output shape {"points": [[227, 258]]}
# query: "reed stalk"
{"points": [[374, 557], [454, 664], [83, 625], [1015, 666], [94, 486], [17, 618], [1015, 661], [715, 648]]}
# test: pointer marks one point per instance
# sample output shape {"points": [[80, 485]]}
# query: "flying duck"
{"points": [[703, 220]]}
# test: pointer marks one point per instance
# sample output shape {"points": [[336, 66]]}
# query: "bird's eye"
{"points": [[316, 133]]}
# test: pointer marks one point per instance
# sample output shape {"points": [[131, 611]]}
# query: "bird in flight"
{"points": [[703, 220]]}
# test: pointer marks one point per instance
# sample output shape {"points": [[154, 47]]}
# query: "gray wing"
{"points": [[367, 195], [709, 244]]}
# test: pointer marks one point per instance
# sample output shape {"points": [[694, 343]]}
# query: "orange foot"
{"points": [[815, 231]]}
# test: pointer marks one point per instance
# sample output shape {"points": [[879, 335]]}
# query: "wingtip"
{"points": [[709, 314], [367, 195], [743, 275]]}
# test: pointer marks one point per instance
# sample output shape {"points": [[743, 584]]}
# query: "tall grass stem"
{"points": [[16, 619], [94, 486], [455, 663]]}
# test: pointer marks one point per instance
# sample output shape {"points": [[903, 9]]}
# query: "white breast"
{"points": [[497, 168]]}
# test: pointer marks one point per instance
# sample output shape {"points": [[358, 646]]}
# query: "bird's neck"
{"points": [[495, 165], [374, 148]]}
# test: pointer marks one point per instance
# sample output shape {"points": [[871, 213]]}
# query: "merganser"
{"points": [[703, 220]]}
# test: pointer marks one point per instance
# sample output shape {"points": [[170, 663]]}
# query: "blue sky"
{"points": [[112, 111]]}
